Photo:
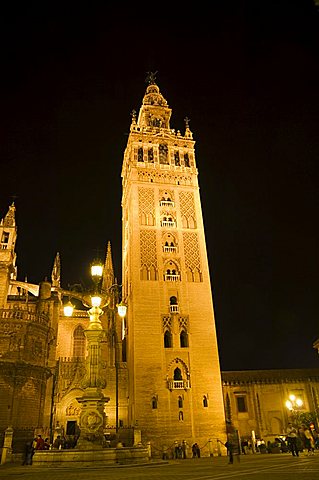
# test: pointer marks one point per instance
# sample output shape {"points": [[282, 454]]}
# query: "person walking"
{"points": [[292, 439], [194, 450], [28, 453], [309, 441], [230, 449]]}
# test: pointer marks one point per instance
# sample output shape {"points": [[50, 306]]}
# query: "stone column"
{"points": [[7, 446], [92, 418]]}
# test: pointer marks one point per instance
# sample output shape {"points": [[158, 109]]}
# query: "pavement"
{"points": [[250, 467]]}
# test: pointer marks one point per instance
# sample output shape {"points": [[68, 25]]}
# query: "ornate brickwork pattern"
{"points": [[167, 323], [187, 204], [146, 201], [183, 322], [148, 248], [166, 194], [191, 251], [146, 176]]}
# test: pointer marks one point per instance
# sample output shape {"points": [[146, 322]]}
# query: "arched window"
{"points": [[154, 403], [205, 401], [184, 222], [152, 273], [163, 154], [79, 342], [176, 158], [178, 374], [167, 339], [189, 275], [197, 275], [173, 300], [183, 339], [180, 416], [180, 402], [186, 160], [191, 222], [140, 155], [173, 305], [150, 155], [144, 273]]}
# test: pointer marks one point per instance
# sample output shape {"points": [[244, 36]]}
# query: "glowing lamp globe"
{"points": [[121, 309], [96, 301], [68, 309], [96, 270]]}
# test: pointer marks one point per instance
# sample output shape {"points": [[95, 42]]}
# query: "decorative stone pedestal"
{"points": [[92, 420]]}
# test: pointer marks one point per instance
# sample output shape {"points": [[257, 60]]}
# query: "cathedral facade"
{"points": [[159, 365]]}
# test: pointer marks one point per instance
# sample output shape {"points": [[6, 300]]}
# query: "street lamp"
{"points": [[121, 310], [92, 418], [294, 404]]}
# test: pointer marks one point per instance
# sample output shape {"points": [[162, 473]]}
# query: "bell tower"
{"points": [[175, 390], [8, 237]]}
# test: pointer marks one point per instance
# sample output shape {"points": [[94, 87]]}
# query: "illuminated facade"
{"points": [[175, 385]]}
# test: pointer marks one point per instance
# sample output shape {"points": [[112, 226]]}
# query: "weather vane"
{"points": [[151, 78]]}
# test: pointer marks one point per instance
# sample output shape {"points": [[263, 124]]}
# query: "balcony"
{"points": [[178, 384], [166, 203], [166, 223], [171, 278], [168, 249], [174, 308]]}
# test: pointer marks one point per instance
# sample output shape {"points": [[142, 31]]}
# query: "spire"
{"points": [[108, 272], [9, 220], [56, 271]]}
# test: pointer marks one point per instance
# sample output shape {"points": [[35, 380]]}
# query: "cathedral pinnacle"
{"points": [[9, 219], [56, 271], [108, 272]]}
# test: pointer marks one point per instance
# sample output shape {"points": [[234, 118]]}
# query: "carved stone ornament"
{"points": [[92, 421]]}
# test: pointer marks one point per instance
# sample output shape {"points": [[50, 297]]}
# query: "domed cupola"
{"points": [[154, 112]]}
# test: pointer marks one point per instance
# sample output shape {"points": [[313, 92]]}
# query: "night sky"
{"points": [[246, 73]]}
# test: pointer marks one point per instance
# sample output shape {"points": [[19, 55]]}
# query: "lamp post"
{"points": [[294, 404], [92, 418]]}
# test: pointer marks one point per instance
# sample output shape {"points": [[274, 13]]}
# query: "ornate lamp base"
{"points": [[92, 420]]}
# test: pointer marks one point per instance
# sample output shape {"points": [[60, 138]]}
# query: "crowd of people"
{"points": [[302, 439], [40, 443]]}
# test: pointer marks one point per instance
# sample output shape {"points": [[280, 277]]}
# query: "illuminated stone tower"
{"points": [[8, 237], [175, 390]]}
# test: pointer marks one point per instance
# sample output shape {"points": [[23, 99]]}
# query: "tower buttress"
{"points": [[8, 237]]}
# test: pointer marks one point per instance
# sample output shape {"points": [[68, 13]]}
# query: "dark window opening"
{"points": [[178, 374], [241, 404], [140, 155], [183, 339], [5, 237], [71, 427], [167, 339]]}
